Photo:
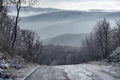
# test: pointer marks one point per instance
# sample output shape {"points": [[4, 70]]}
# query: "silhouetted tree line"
{"points": [[97, 46], [13, 40], [59, 55], [102, 41]]}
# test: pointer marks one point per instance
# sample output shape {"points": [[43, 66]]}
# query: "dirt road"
{"points": [[70, 72]]}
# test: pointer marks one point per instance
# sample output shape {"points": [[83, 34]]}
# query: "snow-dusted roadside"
{"points": [[97, 71], [70, 72], [23, 73], [112, 70], [91, 72]]}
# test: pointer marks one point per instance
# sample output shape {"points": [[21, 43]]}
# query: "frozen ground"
{"points": [[75, 72], [98, 70], [114, 71], [23, 73]]}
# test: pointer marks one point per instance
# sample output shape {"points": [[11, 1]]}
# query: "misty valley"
{"points": [[53, 43]]}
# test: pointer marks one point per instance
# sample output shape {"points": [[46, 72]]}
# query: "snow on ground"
{"points": [[76, 72], [91, 72], [109, 68], [112, 70], [22, 74], [48, 73], [98, 72]]}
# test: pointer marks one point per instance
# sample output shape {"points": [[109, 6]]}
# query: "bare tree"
{"points": [[102, 33], [14, 35], [18, 4], [38, 51], [117, 34], [1, 5], [6, 28], [90, 49]]}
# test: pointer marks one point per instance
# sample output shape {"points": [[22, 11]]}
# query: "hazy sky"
{"points": [[81, 4]]}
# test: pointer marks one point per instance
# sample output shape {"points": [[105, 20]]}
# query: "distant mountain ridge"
{"points": [[34, 9], [52, 24], [103, 10], [61, 15], [40, 9], [30, 11]]}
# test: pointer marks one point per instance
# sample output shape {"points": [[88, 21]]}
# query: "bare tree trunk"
{"points": [[102, 34], [14, 34], [1, 5]]}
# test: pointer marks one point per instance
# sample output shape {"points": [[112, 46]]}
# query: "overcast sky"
{"points": [[80, 4]]}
